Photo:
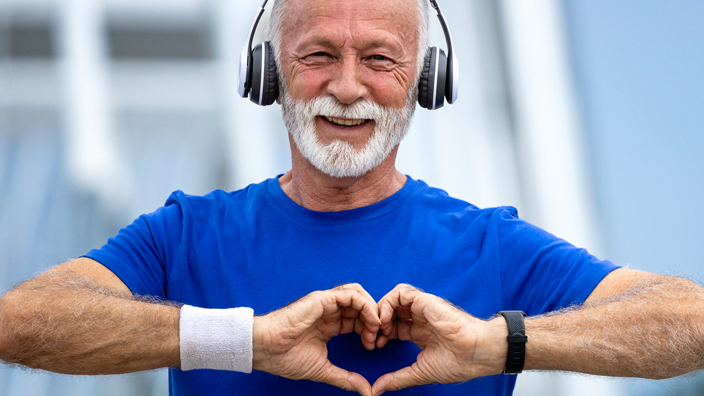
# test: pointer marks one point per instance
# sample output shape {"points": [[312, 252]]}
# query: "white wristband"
{"points": [[219, 339]]}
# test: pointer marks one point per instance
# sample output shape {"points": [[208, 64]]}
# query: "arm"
{"points": [[79, 318], [633, 324]]}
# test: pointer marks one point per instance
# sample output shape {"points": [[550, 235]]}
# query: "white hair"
{"points": [[275, 34]]}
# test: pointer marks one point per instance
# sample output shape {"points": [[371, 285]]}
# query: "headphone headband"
{"points": [[444, 81], [452, 65], [245, 80]]}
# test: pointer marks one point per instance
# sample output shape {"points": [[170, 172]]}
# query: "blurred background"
{"points": [[584, 114]]}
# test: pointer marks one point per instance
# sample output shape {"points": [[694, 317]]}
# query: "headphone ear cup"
{"points": [[423, 82], [431, 86], [265, 80], [271, 77], [440, 82]]}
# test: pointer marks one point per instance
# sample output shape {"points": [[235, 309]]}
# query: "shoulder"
{"points": [[216, 198], [183, 208], [439, 203]]}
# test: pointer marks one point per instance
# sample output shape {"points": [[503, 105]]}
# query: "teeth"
{"points": [[340, 121]]}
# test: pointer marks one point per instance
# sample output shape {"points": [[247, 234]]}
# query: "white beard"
{"points": [[339, 158]]}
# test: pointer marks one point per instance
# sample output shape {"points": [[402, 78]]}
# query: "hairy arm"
{"points": [[80, 318], [634, 324]]}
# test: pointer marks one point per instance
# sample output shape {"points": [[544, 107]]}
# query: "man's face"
{"points": [[356, 53]]}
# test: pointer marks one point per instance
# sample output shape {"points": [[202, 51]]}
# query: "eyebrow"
{"points": [[394, 47], [372, 44], [376, 43], [322, 41]]}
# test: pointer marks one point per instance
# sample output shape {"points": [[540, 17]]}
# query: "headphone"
{"points": [[439, 78]]}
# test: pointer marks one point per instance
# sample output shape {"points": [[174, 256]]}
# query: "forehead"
{"points": [[351, 22]]}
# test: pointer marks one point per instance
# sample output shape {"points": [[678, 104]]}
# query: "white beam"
{"points": [[91, 152], [551, 147], [257, 139]]}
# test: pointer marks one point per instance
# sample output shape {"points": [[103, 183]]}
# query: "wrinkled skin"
{"points": [[452, 341], [292, 342]]}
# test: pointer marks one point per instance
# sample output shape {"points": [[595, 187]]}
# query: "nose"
{"points": [[347, 86]]}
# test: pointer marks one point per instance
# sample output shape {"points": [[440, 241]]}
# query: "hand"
{"points": [[455, 346], [292, 342]]}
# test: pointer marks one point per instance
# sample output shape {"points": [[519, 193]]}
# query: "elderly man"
{"points": [[348, 77]]}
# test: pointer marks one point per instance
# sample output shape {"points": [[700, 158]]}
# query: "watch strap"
{"points": [[517, 339]]}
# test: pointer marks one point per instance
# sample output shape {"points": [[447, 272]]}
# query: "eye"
{"points": [[380, 62], [319, 58]]}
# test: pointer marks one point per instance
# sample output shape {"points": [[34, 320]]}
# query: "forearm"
{"points": [[653, 330], [64, 323]]}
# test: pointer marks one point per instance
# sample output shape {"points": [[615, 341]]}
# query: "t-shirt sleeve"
{"points": [[142, 254], [540, 272]]}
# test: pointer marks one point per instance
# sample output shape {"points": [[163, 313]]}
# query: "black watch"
{"points": [[516, 341]]}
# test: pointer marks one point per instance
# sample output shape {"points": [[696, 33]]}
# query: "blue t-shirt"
{"points": [[257, 248]]}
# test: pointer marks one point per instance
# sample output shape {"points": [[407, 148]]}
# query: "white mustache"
{"points": [[328, 106]]}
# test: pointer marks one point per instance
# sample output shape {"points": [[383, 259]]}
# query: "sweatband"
{"points": [[218, 339]]}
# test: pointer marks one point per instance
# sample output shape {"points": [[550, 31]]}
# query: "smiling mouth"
{"points": [[344, 122]]}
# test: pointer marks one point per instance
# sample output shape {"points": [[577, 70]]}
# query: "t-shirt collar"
{"points": [[365, 213]]}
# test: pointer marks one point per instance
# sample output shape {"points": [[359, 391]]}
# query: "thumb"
{"points": [[344, 379], [404, 378]]}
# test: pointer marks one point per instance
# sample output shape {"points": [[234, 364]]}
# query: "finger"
{"points": [[388, 325], [382, 340], [401, 296], [358, 288], [347, 325], [395, 304], [403, 329], [404, 312], [367, 308], [359, 326], [349, 312], [404, 378], [344, 379], [371, 323], [340, 300], [387, 307], [390, 332], [368, 337], [345, 301]]}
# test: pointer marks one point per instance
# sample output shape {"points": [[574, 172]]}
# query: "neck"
{"points": [[309, 187]]}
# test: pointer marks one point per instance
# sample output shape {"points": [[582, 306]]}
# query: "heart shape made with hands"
{"points": [[453, 343]]}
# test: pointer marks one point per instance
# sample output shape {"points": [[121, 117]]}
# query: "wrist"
{"points": [[219, 339], [516, 339], [535, 360], [261, 341], [493, 354]]}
